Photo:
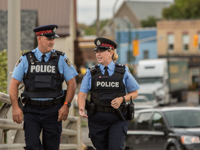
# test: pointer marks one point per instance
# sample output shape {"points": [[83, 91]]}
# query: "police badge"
{"points": [[98, 43]]}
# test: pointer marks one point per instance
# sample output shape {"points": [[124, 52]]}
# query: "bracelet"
{"points": [[123, 99]]}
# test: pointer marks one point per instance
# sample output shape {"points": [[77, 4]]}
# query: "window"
{"points": [[185, 42], [146, 54], [143, 121], [183, 118], [157, 118], [170, 41]]}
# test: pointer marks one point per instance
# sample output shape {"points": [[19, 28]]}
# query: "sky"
{"points": [[87, 14]]}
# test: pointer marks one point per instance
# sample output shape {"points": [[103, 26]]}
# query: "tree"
{"points": [[91, 29], [150, 22], [3, 71], [183, 9]]}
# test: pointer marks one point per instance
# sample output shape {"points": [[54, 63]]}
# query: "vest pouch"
{"points": [[43, 82], [106, 97]]}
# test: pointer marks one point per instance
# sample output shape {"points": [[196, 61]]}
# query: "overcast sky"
{"points": [[86, 9]]}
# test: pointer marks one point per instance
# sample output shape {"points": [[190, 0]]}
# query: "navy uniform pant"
{"points": [[107, 131], [37, 119]]}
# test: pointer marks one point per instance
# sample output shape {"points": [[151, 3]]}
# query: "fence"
{"points": [[70, 138]]}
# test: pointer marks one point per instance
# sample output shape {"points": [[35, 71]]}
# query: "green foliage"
{"points": [[91, 29], [150, 22], [3, 71], [183, 9]]}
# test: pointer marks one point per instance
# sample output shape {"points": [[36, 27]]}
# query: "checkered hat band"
{"points": [[107, 45], [44, 32]]}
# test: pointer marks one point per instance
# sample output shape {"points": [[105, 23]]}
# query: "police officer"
{"points": [[107, 83], [43, 71]]}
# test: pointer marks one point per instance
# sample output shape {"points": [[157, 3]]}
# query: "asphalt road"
{"points": [[192, 101]]}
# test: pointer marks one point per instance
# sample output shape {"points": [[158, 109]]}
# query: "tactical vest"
{"points": [[106, 88], [43, 79]]}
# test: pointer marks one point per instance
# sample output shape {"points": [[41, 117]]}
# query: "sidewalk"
{"points": [[85, 132]]}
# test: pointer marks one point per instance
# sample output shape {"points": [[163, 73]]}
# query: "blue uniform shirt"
{"points": [[129, 81], [68, 71]]}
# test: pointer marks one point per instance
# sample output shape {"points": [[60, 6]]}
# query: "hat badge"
{"points": [[98, 43], [54, 30]]}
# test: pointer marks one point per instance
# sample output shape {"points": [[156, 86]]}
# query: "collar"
{"points": [[111, 66], [39, 53]]}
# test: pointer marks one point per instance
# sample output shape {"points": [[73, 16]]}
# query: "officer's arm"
{"points": [[71, 88], [131, 95], [13, 92], [81, 103], [17, 113], [81, 99]]}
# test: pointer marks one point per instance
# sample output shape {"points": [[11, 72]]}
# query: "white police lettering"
{"points": [[43, 68], [107, 84]]}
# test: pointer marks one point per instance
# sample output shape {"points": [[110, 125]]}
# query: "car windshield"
{"points": [[150, 80], [149, 96], [183, 118]]}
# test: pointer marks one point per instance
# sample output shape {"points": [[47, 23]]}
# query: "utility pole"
{"points": [[118, 32], [14, 47], [97, 22]]}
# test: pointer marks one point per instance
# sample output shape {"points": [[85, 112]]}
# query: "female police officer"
{"points": [[107, 83], [43, 71]]}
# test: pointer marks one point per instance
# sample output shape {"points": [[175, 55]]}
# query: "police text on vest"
{"points": [[107, 84], [43, 68]]}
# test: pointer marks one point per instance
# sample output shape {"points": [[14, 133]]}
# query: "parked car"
{"points": [[142, 102], [170, 128]]}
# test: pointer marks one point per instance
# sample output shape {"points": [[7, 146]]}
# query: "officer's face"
{"points": [[104, 57], [45, 44]]}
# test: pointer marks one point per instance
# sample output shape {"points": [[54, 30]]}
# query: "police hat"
{"points": [[46, 30], [104, 44]]}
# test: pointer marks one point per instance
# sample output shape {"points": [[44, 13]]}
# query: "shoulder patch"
{"points": [[20, 59], [68, 62]]}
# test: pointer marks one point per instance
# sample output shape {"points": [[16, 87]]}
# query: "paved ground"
{"points": [[193, 100]]}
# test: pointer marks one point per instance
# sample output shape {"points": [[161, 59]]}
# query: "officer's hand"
{"points": [[115, 103], [63, 113], [17, 115], [82, 112]]}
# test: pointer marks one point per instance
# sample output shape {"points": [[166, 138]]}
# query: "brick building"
{"points": [[180, 38]]}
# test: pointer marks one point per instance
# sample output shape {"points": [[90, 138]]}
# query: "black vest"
{"points": [[43, 79], [106, 88]]}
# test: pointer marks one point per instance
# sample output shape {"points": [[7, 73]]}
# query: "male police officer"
{"points": [[43, 71], [107, 83]]}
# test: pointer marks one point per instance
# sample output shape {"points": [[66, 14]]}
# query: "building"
{"points": [[147, 45], [131, 13], [181, 38], [28, 22], [61, 12]]}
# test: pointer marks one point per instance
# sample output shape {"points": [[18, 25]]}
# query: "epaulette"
{"points": [[120, 68], [93, 68], [59, 52], [120, 65], [26, 53]]}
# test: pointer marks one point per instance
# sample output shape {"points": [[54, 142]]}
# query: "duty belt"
{"points": [[110, 110], [42, 103]]}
